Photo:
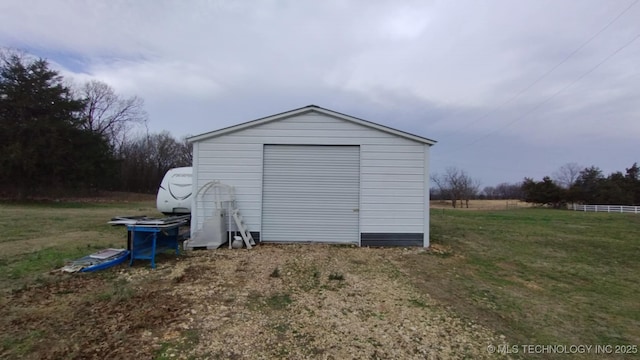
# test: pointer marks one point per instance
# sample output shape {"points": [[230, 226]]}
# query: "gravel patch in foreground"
{"points": [[310, 301]]}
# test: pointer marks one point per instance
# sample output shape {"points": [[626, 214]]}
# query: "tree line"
{"points": [[58, 139], [459, 187], [572, 184], [569, 184]]}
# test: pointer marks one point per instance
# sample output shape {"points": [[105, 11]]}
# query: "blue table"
{"points": [[149, 240]]}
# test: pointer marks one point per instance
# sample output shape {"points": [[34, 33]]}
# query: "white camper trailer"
{"points": [[175, 192]]}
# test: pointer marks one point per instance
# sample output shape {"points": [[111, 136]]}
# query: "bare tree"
{"points": [[509, 191], [469, 188], [108, 114], [165, 152], [567, 175], [456, 185], [185, 152], [490, 192], [145, 160], [444, 188]]}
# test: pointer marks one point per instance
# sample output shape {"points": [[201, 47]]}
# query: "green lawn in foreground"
{"points": [[39, 237], [539, 276]]}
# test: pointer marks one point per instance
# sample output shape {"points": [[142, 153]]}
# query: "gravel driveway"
{"points": [[306, 301]]}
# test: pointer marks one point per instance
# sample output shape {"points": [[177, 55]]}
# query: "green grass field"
{"points": [[39, 237], [538, 276]]}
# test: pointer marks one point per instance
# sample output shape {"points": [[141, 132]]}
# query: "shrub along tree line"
{"points": [[56, 140], [589, 186]]}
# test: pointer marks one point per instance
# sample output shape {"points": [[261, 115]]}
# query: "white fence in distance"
{"points": [[608, 208]]}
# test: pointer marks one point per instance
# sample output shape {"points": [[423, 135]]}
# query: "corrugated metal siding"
{"points": [[311, 193], [380, 171], [238, 165], [392, 188]]}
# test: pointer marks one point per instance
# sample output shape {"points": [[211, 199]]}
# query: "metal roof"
{"points": [[302, 110]]}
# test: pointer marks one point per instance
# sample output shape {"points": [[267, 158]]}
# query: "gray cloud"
{"points": [[451, 71]]}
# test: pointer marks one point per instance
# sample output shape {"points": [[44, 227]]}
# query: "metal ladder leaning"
{"points": [[244, 232]]}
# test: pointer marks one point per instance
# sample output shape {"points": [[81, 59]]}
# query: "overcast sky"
{"points": [[508, 88]]}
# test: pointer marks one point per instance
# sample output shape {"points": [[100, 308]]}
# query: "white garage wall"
{"points": [[238, 165], [387, 161], [392, 188]]}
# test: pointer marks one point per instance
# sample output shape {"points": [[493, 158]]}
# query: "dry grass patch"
{"points": [[482, 205]]}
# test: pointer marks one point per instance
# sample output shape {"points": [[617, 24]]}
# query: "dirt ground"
{"points": [[274, 301]]}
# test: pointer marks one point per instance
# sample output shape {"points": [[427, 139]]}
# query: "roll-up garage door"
{"points": [[311, 193]]}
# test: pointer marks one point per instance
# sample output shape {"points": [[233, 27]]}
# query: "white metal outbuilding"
{"points": [[316, 175]]}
